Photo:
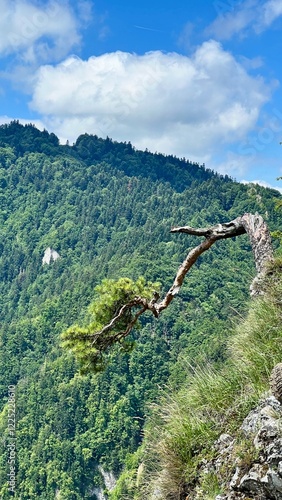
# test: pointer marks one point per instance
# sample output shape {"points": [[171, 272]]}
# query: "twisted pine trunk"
{"points": [[260, 239]]}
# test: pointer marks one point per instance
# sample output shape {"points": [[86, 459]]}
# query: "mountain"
{"points": [[106, 209]]}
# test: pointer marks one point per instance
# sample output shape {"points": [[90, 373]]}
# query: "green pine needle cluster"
{"points": [[91, 350]]}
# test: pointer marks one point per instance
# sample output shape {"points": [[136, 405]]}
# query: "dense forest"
{"points": [[106, 209]]}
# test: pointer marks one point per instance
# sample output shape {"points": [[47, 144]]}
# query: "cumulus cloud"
{"points": [[36, 31], [170, 103], [251, 15]]}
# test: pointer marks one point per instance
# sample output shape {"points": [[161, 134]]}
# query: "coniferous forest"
{"points": [[106, 209]]}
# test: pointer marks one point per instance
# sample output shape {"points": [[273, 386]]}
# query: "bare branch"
{"points": [[181, 273], [260, 239], [220, 231], [99, 337], [258, 233], [133, 303]]}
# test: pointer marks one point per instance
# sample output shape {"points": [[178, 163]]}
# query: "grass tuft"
{"points": [[185, 425]]}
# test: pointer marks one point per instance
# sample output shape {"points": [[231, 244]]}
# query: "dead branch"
{"points": [[260, 239], [253, 225]]}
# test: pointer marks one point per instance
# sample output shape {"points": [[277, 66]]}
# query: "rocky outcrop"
{"points": [[50, 255], [109, 481], [276, 382], [263, 479], [255, 466], [109, 478]]}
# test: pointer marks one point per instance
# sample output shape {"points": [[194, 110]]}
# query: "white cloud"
{"points": [[185, 39], [85, 10], [263, 184], [256, 15], [271, 11], [164, 102], [249, 64], [233, 22], [39, 32], [233, 164]]}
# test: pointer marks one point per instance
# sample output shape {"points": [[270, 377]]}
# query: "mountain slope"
{"points": [[107, 210], [220, 433]]}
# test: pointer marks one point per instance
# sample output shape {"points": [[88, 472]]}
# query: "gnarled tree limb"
{"points": [[260, 239], [253, 225]]}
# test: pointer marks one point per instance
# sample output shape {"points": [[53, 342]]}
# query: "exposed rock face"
{"points": [[109, 478], [109, 481], [98, 494], [258, 475], [50, 255], [264, 478], [276, 382]]}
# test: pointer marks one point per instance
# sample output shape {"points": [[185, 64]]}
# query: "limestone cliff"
{"points": [[249, 466]]}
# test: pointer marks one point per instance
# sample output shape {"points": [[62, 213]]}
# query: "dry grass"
{"points": [[185, 425]]}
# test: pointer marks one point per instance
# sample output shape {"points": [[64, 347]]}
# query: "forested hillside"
{"points": [[107, 210]]}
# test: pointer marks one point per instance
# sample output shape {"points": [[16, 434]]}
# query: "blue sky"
{"points": [[200, 80]]}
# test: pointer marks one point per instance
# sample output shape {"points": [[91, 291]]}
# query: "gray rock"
{"points": [[268, 411], [267, 434], [50, 255], [252, 481], [259, 477], [224, 443], [273, 452], [264, 478], [235, 481]]}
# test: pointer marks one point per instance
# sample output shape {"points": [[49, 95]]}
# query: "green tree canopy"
{"points": [[115, 299]]}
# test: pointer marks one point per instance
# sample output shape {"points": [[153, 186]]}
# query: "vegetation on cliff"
{"points": [[183, 427], [107, 209]]}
